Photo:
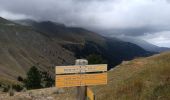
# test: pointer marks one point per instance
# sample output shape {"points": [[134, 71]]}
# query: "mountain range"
{"points": [[47, 44]]}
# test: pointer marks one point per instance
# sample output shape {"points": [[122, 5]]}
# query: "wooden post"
{"points": [[81, 90], [90, 94]]}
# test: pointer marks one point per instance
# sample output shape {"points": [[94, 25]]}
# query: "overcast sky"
{"points": [[144, 19]]}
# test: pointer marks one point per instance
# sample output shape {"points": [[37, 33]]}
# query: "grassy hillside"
{"points": [[139, 79]]}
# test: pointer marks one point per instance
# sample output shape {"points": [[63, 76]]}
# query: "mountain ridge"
{"points": [[46, 47]]}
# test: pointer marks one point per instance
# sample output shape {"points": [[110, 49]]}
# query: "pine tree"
{"points": [[33, 80]]}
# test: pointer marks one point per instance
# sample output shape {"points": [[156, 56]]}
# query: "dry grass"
{"points": [[140, 79]]}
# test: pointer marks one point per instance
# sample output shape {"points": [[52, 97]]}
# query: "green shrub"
{"points": [[6, 88], [95, 59], [20, 79], [18, 88], [47, 81]]}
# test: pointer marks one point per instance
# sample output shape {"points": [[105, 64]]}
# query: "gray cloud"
{"points": [[111, 17]]}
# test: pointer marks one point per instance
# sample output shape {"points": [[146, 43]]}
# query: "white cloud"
{"points": [[136, 16], [12, 16], [94, 14], [159, 38]]}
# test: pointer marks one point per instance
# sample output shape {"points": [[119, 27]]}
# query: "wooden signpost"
{"points": [[81, 80], [81, 75], [79, 69]]}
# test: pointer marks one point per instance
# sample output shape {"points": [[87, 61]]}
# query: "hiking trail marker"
{"points": [[81, 75]]}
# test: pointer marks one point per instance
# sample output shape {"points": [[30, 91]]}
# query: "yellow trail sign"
{"points": [[81, 80], [90, 94], [80, 69]]}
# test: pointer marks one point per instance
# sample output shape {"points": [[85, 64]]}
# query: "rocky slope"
{"points": [[21, 47]]}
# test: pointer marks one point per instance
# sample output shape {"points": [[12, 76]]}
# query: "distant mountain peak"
{"points": [[144, 44]]}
